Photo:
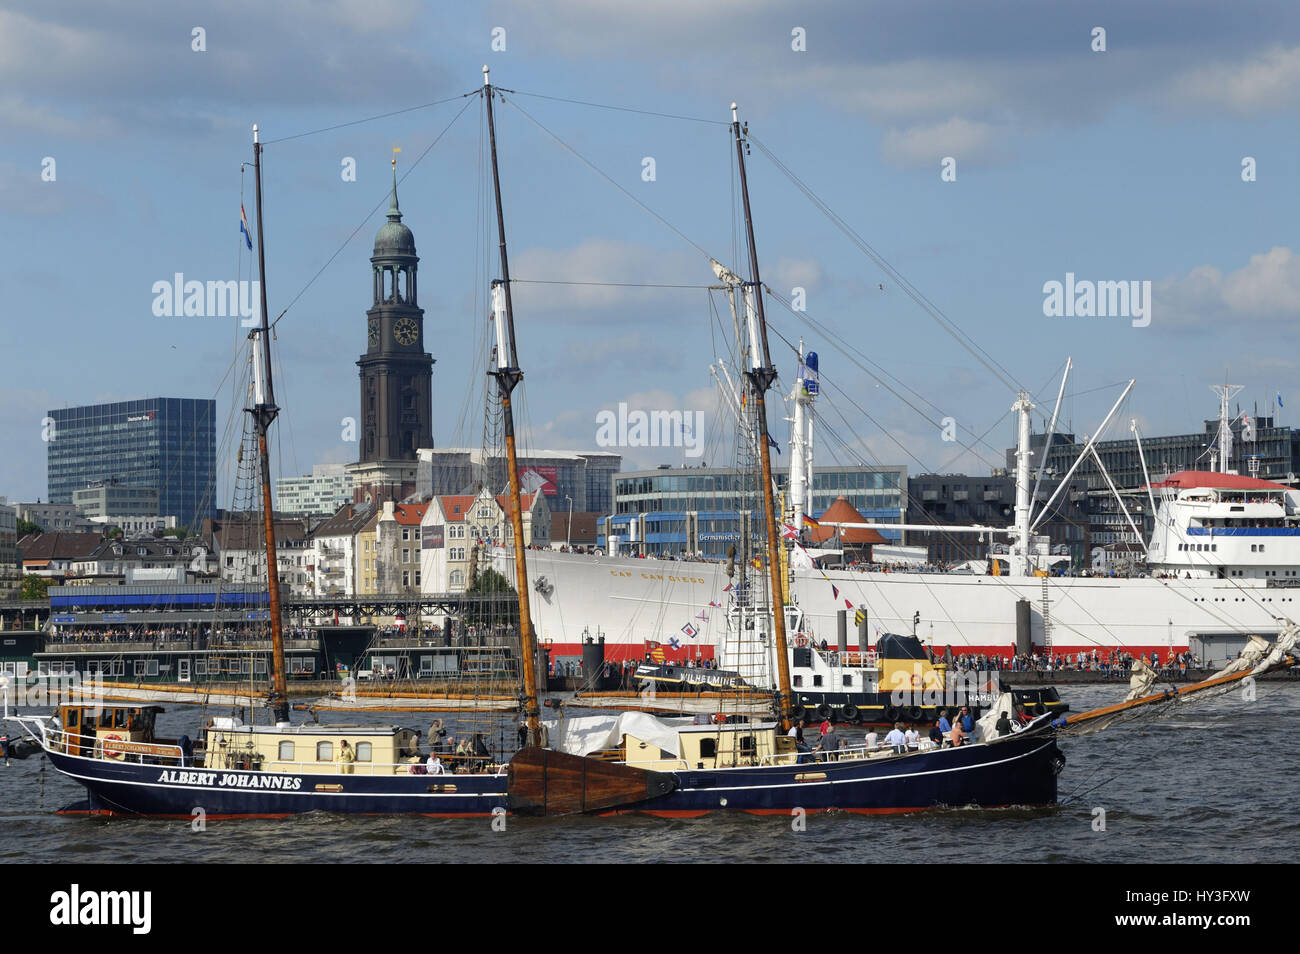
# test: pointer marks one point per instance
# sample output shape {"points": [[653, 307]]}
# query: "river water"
{"points": [[1215, 782]]}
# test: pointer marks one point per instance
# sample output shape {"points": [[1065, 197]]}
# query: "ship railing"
{"points": [[854, 660], [109, 749], [847, 754], [376, 769]]}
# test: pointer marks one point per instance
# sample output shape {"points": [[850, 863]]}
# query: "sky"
{"points": [[982, 150]]}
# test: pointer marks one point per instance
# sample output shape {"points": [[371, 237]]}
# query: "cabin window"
{"points": [[1252, 548], [140, 663], [817, 680], [708, 748], [259, 667], [324, 751], [747, 745], [848, 680], [286, 751], [798, 680], [200, 667], [363, 751]]}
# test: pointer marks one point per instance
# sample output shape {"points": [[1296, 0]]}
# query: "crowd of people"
{"points": [[195, 636], [1116, 662]]}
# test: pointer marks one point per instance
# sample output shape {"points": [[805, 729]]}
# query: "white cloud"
{"points": [[1264, 81], [597, 278], [964, 140], [1265, 289]]}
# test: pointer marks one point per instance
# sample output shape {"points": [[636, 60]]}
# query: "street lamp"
{"points": [[568, 526]]}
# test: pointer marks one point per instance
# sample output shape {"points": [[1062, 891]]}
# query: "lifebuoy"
{"points": [[824, 712], [801, 641], [849, 713], [111, 754]]}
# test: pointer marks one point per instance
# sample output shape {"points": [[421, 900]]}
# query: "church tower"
{"points": [[396, 372]]}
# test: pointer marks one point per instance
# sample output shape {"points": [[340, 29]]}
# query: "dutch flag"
{"points": [[243, 227]]}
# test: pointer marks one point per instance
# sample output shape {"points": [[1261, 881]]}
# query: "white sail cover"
{"points": [[582, 735], [987, 725]]}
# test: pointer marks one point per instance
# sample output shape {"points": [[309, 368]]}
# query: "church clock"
{"points": [[406, 331]]}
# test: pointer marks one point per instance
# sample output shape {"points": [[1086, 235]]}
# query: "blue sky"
{"points": [[1116, 165]]}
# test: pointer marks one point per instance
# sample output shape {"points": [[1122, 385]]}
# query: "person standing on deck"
{"points": [[346, 758]]}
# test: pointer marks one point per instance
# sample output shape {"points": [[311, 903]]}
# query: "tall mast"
{"points": [[508, 375], [264, 412], [1019, 562], [761, 375]]}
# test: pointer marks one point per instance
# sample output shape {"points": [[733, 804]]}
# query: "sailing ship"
{"points": [[634, 763]]}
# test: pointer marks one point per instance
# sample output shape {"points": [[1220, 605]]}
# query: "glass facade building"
{"points": [[707, 509], [166, 444]]}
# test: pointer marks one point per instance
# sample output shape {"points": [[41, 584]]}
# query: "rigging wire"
{"points": [[368, 119], [933, 310], [594, 168], [369, 215], [622, 109]]}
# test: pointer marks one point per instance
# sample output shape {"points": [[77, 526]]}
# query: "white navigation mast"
{"points": [[806, 387], [1226, 393], [1019, 555]]}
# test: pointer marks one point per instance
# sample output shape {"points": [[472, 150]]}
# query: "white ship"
{"points": [[1220, 567]]}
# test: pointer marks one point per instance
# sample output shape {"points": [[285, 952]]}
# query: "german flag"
{"points": [[810, 522]]}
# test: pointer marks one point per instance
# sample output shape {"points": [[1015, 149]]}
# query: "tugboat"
{"points": [[895, 681]]}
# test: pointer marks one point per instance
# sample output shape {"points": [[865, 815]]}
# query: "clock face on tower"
{"points": [[374, 331], [406, 331]]}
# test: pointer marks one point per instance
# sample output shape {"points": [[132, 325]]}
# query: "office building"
{"points": [[167, 445]]}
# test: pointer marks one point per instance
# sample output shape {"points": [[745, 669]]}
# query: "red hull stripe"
{"points": [[636, 652]]}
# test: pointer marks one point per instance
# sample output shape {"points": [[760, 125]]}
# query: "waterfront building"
{"points": [[367, 579], [11, 579], [52, 554], [239, 545], [118, 558], [335, 557], [55, 518], [577, 480], [1272, 454], [131, 525], [703, 510], [105, 500], [327, 488], [168, 445], [464, 532], [397, 543], [967, 501]]}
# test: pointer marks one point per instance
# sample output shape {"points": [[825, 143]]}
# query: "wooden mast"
{"points": [[761, 375], [264, 412], [507, 377]]}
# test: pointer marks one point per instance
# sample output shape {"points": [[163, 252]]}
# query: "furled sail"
{"points": [[1258, 658]]}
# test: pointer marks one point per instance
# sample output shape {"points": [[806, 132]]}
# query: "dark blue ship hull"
{"points": [[123, 788], [1017, 771]]}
